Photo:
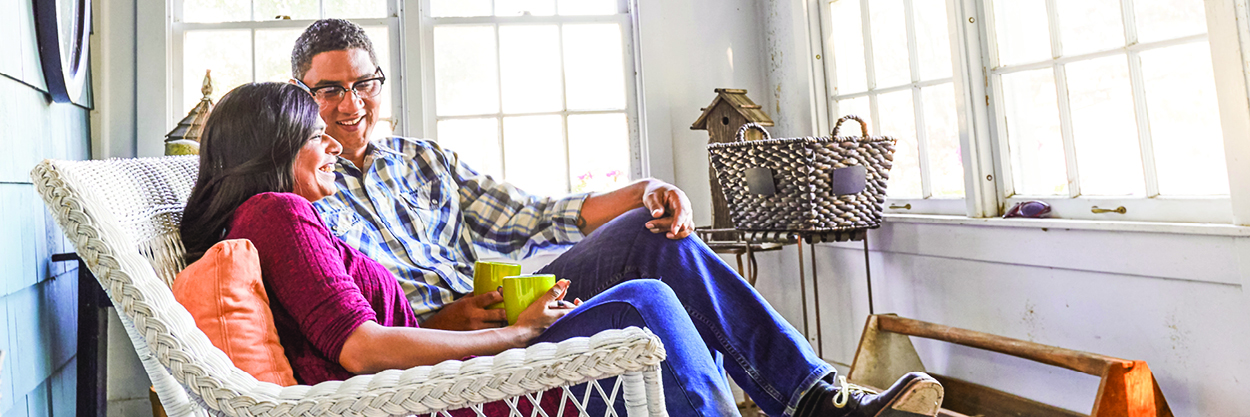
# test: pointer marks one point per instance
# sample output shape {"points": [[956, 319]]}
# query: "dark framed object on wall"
{"points": [[62, 28]]}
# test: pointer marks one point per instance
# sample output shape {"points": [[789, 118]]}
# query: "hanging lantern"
{"points": [[185, 138]]}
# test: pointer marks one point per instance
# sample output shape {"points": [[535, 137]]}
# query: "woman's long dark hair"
{"points": [[248, 147]]}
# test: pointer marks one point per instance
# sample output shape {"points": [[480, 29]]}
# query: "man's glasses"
{"points": [[333, 94]]}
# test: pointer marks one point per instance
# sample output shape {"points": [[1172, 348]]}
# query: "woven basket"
{"points": [[804, 184]]}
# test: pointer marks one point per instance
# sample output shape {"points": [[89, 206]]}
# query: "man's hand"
{"points": [[670, 210], [469, 313]]}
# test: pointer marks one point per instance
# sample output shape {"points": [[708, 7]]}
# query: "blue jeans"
{"points": [[763, 353]]}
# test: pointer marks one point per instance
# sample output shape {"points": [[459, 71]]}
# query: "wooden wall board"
{"points": [[63, 389], [18, 407], [9, 29], [38, 299], [7, 395]]}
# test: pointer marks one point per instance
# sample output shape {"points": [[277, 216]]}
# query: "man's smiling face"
{"points": [[350, 120]]}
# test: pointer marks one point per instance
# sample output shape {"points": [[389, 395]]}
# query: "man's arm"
{"points": [[669, 206]]}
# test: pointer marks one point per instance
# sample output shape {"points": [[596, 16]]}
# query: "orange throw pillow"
{"points": [[224, 293]]}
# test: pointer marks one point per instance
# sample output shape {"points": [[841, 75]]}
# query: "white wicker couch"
{"points": [[122, 216]]}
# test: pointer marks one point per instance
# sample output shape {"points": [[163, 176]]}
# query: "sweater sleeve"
{"points": [[303, 269]]}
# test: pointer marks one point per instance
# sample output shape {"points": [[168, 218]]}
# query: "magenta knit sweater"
{"points": [[319, 288]]}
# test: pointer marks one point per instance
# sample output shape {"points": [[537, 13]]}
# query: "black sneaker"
{"points": [[915, 394]]}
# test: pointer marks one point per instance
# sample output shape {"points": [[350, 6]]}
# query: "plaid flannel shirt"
{"points": [[424, 214]]}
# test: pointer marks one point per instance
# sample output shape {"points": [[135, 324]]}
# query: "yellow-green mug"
{"points": [[521, 291], [488, 276]]}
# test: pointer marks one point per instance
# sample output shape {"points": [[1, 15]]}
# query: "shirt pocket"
{"points": [[344, 222], [428, 206]]}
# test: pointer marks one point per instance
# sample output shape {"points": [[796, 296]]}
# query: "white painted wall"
{"points": [[688, 49]]}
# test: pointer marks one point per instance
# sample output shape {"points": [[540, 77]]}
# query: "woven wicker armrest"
{"points": [[122, 217], [629, 352]]}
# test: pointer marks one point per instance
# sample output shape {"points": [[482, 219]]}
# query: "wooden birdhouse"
{"points": [[729, 110]]}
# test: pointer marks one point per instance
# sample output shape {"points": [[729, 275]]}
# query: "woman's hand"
{"points": [[545, 311]]}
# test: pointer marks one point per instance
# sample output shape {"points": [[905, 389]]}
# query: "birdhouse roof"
{"points": [[737, 100], [191, 126]]}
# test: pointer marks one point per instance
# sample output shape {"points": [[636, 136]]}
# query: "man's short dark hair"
{"points": [[327, 35]]}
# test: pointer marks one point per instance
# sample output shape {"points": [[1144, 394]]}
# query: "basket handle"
{"points": [[862, 125], [742, 131]]}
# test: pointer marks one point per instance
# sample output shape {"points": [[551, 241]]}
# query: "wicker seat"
{"points": [[122, 216]]}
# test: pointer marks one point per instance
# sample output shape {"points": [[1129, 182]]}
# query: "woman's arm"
{"points": [[372, 347]]}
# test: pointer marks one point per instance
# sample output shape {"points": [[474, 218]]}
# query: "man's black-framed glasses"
{"points": [[332, 94]]}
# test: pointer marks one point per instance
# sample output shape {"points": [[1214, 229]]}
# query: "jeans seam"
{"points": [[737, 356], [616, 279], [807, 385], [667, 365]]}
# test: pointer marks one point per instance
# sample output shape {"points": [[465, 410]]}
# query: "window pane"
{"points": [[848, 47], [476, 141], [889, 43], [1166, 19], [1184, 120], [1104, 128], [466, 77], [856, 106], [296, 9], [1090, 25], [525, 8], [594, 71], [933, 45], [598, 152], [534, 157], [946, 161], [273, 53], [228, 53], [898, 120], [587, 7], [1032, 113], [530, 68], [348, 9], [212, 11], [459, 8], [1022, 31]]}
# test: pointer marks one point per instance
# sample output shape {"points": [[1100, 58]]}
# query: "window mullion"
{"points": [[1140, 109], [869, 66], [503, 157], [564, 105], [922, 151], [1065, 105], [253, 36]]}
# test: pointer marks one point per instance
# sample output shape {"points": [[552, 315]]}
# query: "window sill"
{"points": [[1210, 229]]}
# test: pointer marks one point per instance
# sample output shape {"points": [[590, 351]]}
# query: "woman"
{"points": [[265, 158]]}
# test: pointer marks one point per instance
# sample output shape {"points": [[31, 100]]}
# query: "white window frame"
{"points": [[423, 75], [988, 184], [925, 203], [179, 28]]}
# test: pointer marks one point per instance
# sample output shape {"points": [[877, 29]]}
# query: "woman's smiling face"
{"points": [[314, 165]]}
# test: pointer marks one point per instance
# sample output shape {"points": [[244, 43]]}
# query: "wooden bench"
{"points": [[885, 353]]}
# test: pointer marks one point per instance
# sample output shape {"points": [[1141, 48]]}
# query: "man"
{"points": [[424, 214]]}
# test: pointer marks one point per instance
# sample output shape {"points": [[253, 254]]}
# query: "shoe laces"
{"points": [[845, 389]]}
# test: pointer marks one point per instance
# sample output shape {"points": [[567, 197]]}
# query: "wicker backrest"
{"points": [[122, 216]]}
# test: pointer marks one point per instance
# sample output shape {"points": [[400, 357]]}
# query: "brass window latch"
{"points": [[904, 207], [1119, 209]]}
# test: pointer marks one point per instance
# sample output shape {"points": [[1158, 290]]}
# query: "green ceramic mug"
{"points": [[521, 291], [488, 276]]}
